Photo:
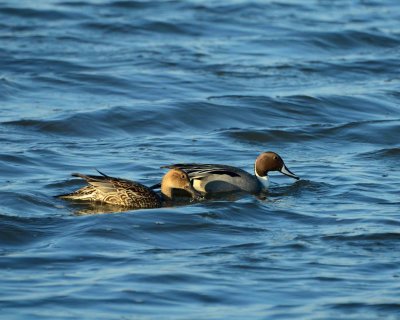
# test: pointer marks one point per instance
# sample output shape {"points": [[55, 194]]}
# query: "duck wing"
{"points": [[107, 184], [199, 171]]}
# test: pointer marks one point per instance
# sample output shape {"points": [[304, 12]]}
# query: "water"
{"points": [[128, 86]]}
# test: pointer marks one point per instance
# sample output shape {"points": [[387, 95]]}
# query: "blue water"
{"points": [[128, 86]]}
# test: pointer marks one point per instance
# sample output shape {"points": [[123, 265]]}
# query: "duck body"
{"points": [[115, 191]]}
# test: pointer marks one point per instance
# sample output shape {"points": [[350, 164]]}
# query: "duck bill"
{"points": [[288, 173], [195, 194]]}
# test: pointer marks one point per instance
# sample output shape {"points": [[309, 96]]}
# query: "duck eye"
{"points": [[275, 158], [183, 176]]}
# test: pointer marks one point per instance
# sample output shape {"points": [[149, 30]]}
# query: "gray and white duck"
{"points": [[219, 178]]}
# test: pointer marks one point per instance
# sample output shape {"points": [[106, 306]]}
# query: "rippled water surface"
{"points": [[128, 86]]}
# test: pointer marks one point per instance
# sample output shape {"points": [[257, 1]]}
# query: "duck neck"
{"points": [[263, 180], [166, 193]]}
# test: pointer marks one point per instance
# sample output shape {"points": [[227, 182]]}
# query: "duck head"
{"points": [[176, 183], [270, 161]]}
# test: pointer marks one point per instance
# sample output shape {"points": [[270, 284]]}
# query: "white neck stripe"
{"points": [[263, 180]]}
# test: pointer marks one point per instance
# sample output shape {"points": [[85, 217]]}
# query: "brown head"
{"points": [[176, 183], [271, 161]]}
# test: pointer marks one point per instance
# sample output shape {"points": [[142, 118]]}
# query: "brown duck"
{"points": [[127, 193]]}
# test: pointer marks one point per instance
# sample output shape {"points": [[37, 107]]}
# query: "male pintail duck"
{"points": [[127, 193], [218, 178]]}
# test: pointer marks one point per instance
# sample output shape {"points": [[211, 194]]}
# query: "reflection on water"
{"points": [[89, 207]]}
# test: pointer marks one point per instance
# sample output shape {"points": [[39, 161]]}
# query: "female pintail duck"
{"points": [[127, 193], [218, 178]]}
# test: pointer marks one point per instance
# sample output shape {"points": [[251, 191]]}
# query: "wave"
{"points": [[352, 132], [386, 154], [384, 236], [44, 14], [349, 39]]}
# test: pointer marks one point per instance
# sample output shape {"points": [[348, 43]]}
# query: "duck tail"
{"points": [[103, 174], [80, 175], [90, 178], [71, 195], [64, 196]]}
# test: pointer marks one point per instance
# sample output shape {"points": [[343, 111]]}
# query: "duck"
{"points": [[219, 178], [127, 193]]}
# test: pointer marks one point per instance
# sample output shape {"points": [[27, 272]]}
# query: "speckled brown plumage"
{"points": [[116, 191]]}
